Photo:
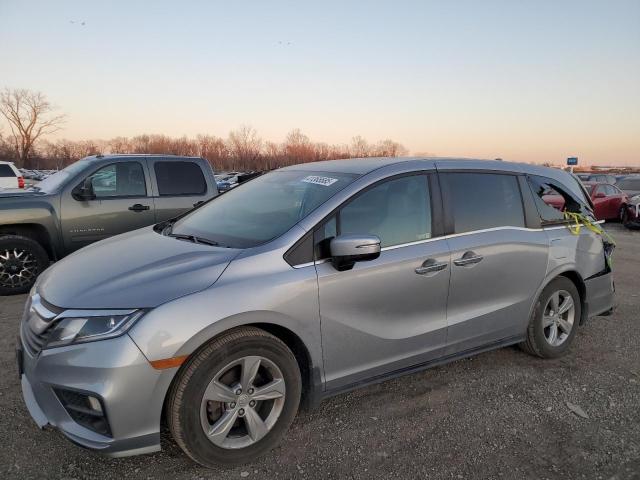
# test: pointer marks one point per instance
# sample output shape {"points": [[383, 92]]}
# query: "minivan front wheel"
{"points": [[555, 320], [234, 400]]}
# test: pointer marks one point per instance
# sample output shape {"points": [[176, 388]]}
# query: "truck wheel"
{"points": [[554, 320], [235, 398], [22, 259]]}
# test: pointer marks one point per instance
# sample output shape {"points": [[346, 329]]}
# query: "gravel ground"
{"points": [[501, 414]]}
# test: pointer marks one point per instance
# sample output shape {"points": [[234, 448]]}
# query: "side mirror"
{"points": [[599, 195], [346, 250], [84, 191]]}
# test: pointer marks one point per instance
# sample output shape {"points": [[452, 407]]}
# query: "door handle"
{"points": [[430, 266], [138, 207], [469, 258]]}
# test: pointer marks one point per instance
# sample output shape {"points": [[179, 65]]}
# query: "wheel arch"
{"points": [[34, 231], [311, 373], [575, 277]]}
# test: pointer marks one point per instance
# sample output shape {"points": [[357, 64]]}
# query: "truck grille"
{"points": [[37, 321]]}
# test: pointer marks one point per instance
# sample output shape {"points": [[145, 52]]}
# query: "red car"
{"points": [[609, 201]]}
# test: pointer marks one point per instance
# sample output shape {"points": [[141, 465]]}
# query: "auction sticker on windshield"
{"points": [[324, 181]]}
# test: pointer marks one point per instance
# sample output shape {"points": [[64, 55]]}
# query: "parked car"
{"points": [[10, 176], [629, 184], [598, 177], [215, 317], [609, 203], [90, 200]]}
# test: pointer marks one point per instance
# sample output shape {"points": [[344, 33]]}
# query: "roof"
{"points": [[135, 155], [359, 166], [363, 166]]}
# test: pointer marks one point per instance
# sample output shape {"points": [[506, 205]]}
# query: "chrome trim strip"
{"points": [[303, 265], [94, 313], [446, 237], [40, 309]]}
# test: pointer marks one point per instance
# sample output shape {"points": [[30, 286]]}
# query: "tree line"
{"points": [[31, 117]]}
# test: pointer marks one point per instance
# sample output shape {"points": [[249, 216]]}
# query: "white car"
{"points": [[10, 176]]}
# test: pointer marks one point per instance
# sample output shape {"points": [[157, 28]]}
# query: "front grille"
{"points": [[33, 341], [37, 323]]}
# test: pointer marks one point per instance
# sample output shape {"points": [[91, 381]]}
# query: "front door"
{"points": [[121, 204], [497, 263], [388, 314]]}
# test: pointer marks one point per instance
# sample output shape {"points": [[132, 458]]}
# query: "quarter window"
{"points": [[179, 178], [124, 179], [6, 171], [483, 200], [397, 211]]}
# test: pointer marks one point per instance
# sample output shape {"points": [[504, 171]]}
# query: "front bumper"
{"points": [[600, 292], [633, 215], [115, 370]]}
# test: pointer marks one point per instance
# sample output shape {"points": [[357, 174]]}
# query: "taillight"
{"points": [[20, 182]]}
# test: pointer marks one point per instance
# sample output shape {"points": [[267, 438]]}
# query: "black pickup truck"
{"points": [[92, 199]]}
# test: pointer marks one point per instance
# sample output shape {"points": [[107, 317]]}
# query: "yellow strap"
{"points": [[581, 220]]}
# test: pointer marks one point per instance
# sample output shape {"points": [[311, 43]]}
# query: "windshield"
{"points": [[262, 209], [55, 181]]}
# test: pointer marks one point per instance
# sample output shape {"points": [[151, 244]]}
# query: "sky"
{"points": [[533, 81]]}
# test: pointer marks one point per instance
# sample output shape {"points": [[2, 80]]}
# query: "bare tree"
{"points": [[30, 116], [389, 148], [245, 145], [359, 147]]}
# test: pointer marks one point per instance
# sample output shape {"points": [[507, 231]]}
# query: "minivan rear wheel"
{"points": [[235, 398], [554, 320], [22, 259]]}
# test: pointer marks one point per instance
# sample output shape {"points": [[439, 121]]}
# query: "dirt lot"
{"points": [[497, 415]]}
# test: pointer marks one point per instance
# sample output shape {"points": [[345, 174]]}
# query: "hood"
{"points": [[139, 269], [19, 192]]}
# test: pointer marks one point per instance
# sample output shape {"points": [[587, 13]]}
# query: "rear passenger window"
{"points": [[6, 170], [483, 200], [179, 178]]}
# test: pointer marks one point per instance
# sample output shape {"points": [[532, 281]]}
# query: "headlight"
{"points": [[89, 328]]}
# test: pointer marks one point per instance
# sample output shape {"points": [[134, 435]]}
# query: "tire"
{"points": [[189, 413], [22, 259], [622, 217], [539, 338]]}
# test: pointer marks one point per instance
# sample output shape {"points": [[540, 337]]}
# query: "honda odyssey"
{"points": [[298, 285]]}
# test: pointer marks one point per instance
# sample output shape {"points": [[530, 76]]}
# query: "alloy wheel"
{"points": [[558, 318], [242, 402], [18, 267]]}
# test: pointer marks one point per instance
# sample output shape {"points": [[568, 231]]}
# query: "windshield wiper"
{"points": [[194, 239]]}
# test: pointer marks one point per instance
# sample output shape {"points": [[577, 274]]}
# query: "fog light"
{"points": [[95, 405]]}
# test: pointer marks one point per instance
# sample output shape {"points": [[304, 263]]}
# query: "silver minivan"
{"points": [[298, 285]]}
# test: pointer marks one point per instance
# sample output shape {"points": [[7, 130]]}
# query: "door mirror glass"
{"points": [[346, 250]]}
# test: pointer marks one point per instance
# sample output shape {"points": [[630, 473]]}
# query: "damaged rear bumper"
{"points": [[600, 292]]}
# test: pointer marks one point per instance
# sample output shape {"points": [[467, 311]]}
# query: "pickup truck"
{"points": [[90, 200]]}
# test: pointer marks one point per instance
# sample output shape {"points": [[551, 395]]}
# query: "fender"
{"points": [[29, 210]]}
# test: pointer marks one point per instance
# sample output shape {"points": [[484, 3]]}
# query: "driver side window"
{"points": [[124, 179], [398, 211]]}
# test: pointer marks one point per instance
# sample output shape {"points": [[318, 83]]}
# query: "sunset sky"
{"points": [[522, 80]]}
